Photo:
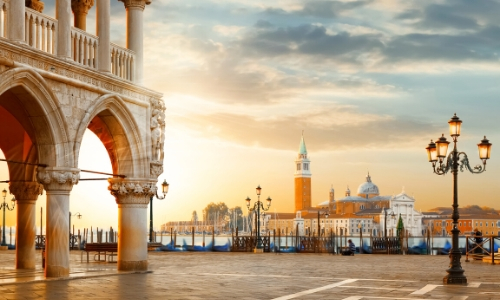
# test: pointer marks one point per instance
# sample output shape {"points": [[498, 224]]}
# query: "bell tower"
{"points": [[302, 178]]}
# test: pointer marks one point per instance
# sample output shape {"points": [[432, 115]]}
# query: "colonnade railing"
{"points": [[40, 31], [41, 34]]}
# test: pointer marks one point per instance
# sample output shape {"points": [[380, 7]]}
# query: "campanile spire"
{"points": [[302, 178]]}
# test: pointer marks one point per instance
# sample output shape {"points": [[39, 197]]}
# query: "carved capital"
{"points": [[156, 169], [34, 4], [137, 4], [81, 6], [58, 179], [130, 191], [25, 191]]}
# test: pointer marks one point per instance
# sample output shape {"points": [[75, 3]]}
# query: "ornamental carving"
{"points": [[34, 4], [25, 190], [81, 6], [156, 169], [58, 178], [141, 4], [157, 130], [132, 192]]}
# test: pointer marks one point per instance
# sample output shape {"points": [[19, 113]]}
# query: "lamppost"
{"points": [[437, 153], [321, 213], [257, 207], [164, 189], [360, 226], [5, 206], [393, 217], [71, 241]]}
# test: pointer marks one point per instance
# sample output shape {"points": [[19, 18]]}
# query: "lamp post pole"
{"points": [[320, 213], [257, 207], [437, 153], [5, 206], [71, 241], [164, 189]]}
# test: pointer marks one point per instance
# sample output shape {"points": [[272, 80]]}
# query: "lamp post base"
{"points": [[455, 276], [258, 250]]}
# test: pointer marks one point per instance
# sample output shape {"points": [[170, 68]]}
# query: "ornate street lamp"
{"points": [[257, 207], [5, 206], [164, 190], [437, 153]]}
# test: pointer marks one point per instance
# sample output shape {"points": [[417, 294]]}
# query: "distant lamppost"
{"points": [[321, 213], [164, 189], [257, 207], [71, 241], [360, 226], [439, 152], [393, 217], [5, 206]]}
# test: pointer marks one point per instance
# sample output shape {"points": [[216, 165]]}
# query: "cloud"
{"points": [[357, 130], [319, 9]]}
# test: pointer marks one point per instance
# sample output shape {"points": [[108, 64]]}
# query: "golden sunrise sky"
{"points": [[370, 82]]}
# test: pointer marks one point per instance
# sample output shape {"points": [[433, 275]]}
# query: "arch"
{"points": [[36, 109], [113, 123]]}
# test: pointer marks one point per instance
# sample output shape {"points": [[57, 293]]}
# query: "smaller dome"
{"points": [[368, 188]]}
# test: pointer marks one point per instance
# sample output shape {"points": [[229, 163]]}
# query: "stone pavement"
{"points": [[194, 275]]}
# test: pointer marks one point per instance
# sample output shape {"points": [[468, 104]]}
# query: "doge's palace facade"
{"points": [[57, 80]]}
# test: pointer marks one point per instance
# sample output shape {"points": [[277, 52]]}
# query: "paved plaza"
{"points": [[193, 275]]}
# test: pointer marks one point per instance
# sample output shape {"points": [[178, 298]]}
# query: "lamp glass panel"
{"points": [[431, 152], [484, 150], [442, 148], [4, 193], [164, 187], [455, 127]]}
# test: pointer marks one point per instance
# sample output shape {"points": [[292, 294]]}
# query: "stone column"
{"points": [[135, 10], [26, 194], [103, 32], [58, 183], [16, 25], [63, 16], [80, 10], [132, 197]]}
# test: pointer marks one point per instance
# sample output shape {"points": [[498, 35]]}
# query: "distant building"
{"points": [[364, 211]]}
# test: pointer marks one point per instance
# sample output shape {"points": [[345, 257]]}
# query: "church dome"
{"points": [[368, 189]]}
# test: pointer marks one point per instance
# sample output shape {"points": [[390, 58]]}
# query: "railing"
{"points": [[479, 248], [40, 31], [84, 47], [122, 62], [386, 245]]}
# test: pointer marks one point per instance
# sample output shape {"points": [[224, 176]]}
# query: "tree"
{"points": [[194, 218], [215, 212]]}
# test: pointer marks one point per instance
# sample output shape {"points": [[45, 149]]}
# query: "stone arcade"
{"points": [[55, 82]]}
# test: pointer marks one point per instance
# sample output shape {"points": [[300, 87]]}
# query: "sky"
{"points": [[368, 82]]}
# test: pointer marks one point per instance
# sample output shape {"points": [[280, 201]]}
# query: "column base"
{"points": [[56, 271], [133, 265], [25, 265]]}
